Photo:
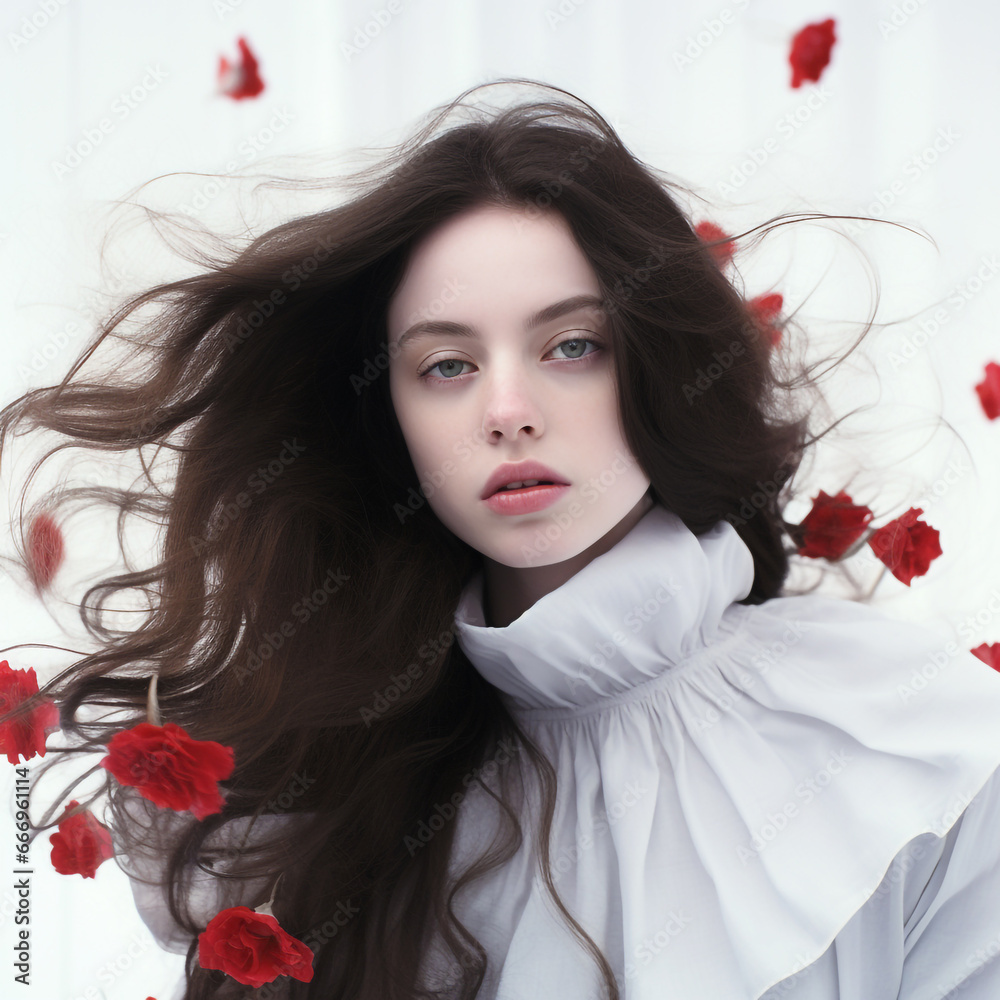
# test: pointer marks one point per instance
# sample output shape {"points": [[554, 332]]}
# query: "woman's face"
{"points": [[482, 386]]}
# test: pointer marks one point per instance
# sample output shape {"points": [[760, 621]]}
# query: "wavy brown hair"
{"points": [[300, 604]]}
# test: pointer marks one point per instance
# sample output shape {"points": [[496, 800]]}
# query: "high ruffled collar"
{"points": [[629, 615]]}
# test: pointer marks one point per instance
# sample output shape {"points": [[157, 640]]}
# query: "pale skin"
{"points": [[509, 394]]}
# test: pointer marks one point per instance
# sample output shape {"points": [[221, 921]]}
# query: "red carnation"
{"points": [[252, 948], [907, 546], [989, 391], [989, 654], [24, 736], [764, 309], [811, 51], [241, 80], [81, 843], [709, 232], [832, 526], [170, 768], [45, 550]]}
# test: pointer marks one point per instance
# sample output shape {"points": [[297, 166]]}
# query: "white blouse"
{"points": [[799, 799]]}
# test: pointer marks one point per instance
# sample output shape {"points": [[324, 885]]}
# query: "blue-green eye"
{"points": [[459, 361]]}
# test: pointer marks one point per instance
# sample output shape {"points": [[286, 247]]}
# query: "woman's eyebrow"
{"points": [[427, 328]]}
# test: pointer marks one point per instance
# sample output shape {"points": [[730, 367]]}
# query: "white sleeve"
{"points": [[931, 928], [208, 894], [952, 938]]}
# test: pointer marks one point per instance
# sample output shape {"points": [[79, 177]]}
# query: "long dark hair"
{"points": [[301, 608]]}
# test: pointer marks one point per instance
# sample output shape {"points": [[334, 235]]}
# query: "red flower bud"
{"points": [[252, 948], [811, 51], [24, 736], [764, 309], [832, 526], [81, 844], [989, 391], [989, 654], [709, 232], [243, 79], [907, 546], [170, 768]]}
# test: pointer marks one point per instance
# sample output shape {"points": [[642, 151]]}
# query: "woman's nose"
{"points": [[510, 406]]}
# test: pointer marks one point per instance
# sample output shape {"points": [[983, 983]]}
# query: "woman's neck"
{"points": [[508, 591]]}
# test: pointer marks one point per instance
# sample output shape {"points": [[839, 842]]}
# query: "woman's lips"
{"points": [[525, 500]]}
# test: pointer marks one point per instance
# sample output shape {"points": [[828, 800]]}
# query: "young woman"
{"points": [[469, 404]]}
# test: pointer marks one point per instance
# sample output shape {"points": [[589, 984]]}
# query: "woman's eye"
{"points": [[444, 364], [573, 347], [576, 342]]}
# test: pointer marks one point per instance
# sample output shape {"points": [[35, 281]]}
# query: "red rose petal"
{"points": [[45, 549], [810, 52], [989, 391], [709, 232], [24, 736], [906, 545], [833, 525]]}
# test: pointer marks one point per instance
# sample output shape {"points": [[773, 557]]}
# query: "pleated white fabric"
{"points": [[794, 799]]}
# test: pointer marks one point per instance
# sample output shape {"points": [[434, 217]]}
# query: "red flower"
{"points": [[989, 391], [832, 526], [988, 654], [764, 309], [81, 844], [252, 948], [170, 768], [24, 736], [709, 232], [907, 546], [241, 80], [811, 51], [45, 550]]}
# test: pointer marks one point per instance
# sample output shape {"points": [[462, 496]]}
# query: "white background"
{"points": [[902, 75]]}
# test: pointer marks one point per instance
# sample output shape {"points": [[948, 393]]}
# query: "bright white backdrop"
{"points": [[700, 90]]}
